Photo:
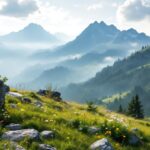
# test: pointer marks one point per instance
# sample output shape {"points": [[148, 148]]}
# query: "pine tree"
{"points": [[135, 108], [120, 110]]}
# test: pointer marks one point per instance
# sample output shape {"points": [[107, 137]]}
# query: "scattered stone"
{"points": [[134, 139], [13, 106], [26, 100], [3, 90], [46, 147], [14, 94], [93, 130], [38, 104], [47, 134], [102, 144], [135, 130], [13, 126], [42, 92], [19, 135], [15, 146]]}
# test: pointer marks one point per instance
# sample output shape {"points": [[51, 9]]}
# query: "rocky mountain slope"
{"points": [[32, 122]]}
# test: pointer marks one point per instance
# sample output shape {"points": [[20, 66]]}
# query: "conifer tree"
{"points": [[135, 108], [120, 110]]}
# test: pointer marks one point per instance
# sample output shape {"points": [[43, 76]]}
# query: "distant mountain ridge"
{"points": [[31, 33], [98, 37], [124, 75]]}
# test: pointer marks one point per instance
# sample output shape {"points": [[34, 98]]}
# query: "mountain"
{"points": [[32, 33], [57, 76], [98, 37], [123, 76]]}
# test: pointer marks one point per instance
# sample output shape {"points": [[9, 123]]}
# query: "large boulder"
{"points": [[46, 147], [134, 139], [42, 92], [15, 94], [26, 100], [102, 144], [47, 134], [13, 126], [3, 90], [56, 95], [19, 135]]}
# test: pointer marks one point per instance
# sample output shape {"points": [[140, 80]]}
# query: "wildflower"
{"points": [[117, 129]]}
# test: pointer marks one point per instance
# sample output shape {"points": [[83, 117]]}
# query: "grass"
{"points": [[65, 119]]}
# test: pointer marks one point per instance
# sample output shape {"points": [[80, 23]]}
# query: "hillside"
{"points": [[72, 124], [123, 76]]}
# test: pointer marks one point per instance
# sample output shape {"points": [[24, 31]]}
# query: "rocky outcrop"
{"points": [[52, 94], [3, 90], [46, 147], [13, 126], [47, 134], [19, 135], [15, 94], [102, 144]]}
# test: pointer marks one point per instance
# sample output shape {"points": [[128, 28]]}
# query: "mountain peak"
{"points": [[33, 26]]}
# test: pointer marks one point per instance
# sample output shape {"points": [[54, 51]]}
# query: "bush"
{"points": [[116, 131], [91, 107]]}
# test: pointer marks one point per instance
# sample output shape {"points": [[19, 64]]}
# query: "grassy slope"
{"points": [[57, 116]]}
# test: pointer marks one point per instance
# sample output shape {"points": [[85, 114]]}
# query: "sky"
{"points": [[72, 16]]}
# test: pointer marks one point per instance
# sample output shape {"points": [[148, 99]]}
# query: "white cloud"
{"points": [[134, 10], [94, 7], [135, 14], [17, 8]]}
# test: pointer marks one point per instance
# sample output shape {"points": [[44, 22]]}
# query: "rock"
{"points": [[38, 104], [47, 134], [134, 139], [56, 95], [3, 90], [13, 106], [42, 92], [13, 126], [102, 144], [93, 130], [15, 146], [19, 135], [26, 100], [135, 130], [46, 147], [14, 94]]}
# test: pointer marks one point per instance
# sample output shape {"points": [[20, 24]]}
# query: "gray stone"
{"points": [[3, 90], [93, 130], [13, 106], [38, 104], [14, 94], [15, 146], [134, 129], [134, 139], [47, 134], [26, 100], [19, 135], [13, 126], [102, 144], [46, 147]]}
